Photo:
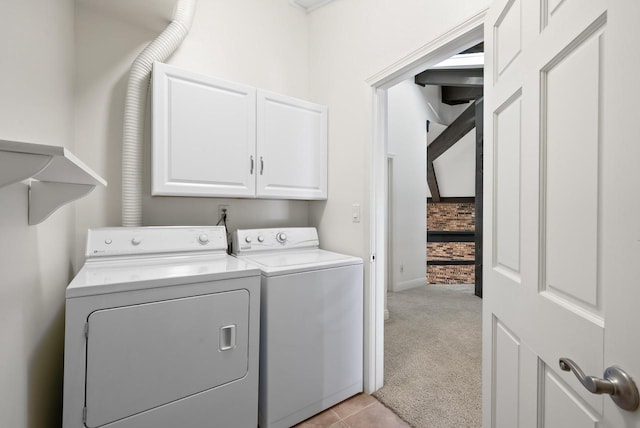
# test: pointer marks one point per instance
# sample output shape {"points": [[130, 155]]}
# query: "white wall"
{"points": [[409, 107], [456, 168], [350, 41], [36, 105], [325, 56], [256, 42], [408, 112]]}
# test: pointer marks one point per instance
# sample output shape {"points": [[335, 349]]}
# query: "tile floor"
{"points": [[359, 411]]}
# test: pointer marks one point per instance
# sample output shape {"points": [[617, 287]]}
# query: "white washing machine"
{"points": [[162, 331], [311, 334]]}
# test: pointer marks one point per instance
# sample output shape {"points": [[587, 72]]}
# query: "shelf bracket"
{"points": [[58, 177], [46, 197]]}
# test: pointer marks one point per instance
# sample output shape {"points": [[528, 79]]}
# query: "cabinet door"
{"points": [[203, 135], [291, 148]]}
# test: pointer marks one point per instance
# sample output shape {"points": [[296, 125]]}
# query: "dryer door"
{"points": [[143, 356]]}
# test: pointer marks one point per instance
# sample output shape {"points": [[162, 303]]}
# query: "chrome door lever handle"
{"points": [[593, 384], [616, 383]]}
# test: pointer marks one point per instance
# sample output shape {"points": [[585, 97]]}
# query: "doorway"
{"points": [[433, 334], [465, 35]]}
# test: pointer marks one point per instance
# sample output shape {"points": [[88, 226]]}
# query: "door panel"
{"points": [[508, 36], [562, 407], [571, 113], [507, 379], [506, 199], [549, 139]]}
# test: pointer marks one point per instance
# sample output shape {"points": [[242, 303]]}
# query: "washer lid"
{"points": [[286, 262]]}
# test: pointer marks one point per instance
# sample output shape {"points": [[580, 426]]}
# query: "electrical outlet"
{"points": [[223, 209]]}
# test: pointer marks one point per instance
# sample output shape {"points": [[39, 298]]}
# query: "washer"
{"points": [[311, 336], [162, 330]]}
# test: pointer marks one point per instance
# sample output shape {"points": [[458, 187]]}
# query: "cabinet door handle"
{"points": [[251, 167], [261, 165]]}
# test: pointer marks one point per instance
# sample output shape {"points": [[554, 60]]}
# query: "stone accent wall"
{"points": [[461, 274], [451, 250], [451, 217]]}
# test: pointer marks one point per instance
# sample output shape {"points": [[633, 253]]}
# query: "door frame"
{"points": [[464, 35]]}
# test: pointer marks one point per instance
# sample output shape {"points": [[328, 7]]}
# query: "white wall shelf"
{"points": [[61, 177]]}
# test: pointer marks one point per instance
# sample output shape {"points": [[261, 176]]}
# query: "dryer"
{"points": [[311, 335], [162, 330]]}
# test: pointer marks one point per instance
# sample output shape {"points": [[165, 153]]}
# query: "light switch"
{"points": [[355, 216]]}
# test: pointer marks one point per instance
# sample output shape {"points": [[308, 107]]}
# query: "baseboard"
{"points": [[406, 285]]}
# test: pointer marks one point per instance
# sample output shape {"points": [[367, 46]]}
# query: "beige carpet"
{"points": [[433, 342]]}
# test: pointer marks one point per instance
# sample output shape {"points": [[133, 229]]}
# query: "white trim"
{"points": [[407, 285], [460, 37], [463, 36], [374, 296]]}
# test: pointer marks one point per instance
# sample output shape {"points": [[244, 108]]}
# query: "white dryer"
{"points": [[161, 331], [311, 335]]}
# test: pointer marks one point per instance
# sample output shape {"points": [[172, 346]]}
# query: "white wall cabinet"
{"points": [[203, 135], [218, 138], [291, 148]]}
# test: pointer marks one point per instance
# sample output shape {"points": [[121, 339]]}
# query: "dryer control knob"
{"points": [[136, 240], [281, 237], [247, 240], [260, 238], [203, 239]]}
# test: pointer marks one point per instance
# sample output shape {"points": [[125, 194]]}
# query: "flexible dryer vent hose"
{"points": [[134, 110]]}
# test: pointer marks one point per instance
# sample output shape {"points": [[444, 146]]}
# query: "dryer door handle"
{"points": [[227, 337]]}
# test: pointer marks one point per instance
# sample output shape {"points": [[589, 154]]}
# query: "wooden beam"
{"points": [[474, 49], [479, 119], [453, 95], [454, 200], [432, 181], [450, 236], [449, 262], [452, 77], [458, 129]]}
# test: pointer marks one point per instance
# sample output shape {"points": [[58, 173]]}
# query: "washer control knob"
{"points": [[281, 237], [260, 238], [108, 241], [203, 239], [136, 240], [247, 240]]}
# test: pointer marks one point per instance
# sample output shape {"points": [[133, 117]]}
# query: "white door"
{"points": [[291, 148], [562, 246], [203, 135]]}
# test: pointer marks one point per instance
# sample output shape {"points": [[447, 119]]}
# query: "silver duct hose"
{"points": [[135, 102]]}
